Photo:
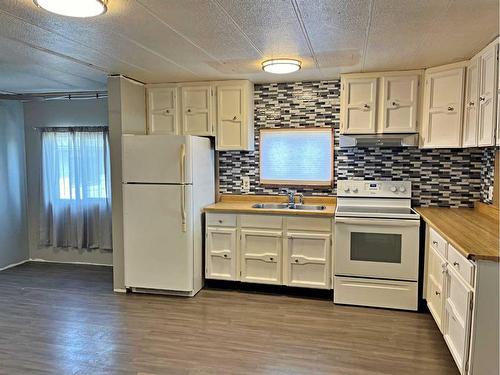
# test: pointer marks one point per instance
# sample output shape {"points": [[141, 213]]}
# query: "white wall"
{"points": [[52, 113], [13, 223]]}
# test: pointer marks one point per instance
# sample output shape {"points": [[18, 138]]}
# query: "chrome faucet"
{"points": [[291, 196]]}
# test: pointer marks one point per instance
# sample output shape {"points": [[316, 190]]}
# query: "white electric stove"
{"points": [[376, 245]]}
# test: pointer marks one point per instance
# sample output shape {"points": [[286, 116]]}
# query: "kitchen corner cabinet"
{"points": [[443, 106], [269, 249], [197, 111], [162, 109], [235, 115], [380, 102], [462, 296]]}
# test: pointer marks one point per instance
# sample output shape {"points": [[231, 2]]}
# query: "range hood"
{"points": [[379, 140]]}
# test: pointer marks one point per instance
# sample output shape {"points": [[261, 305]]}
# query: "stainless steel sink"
{"points": [[271, 206], [308, 207], [285, 206]]}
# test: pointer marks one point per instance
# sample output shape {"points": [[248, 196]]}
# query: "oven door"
{"points": [[378, 248]]}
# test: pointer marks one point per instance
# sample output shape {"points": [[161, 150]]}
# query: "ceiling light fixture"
{"points": [[74, 8], [281, 66]]}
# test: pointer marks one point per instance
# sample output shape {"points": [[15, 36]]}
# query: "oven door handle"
{"points": [[384, 222]]}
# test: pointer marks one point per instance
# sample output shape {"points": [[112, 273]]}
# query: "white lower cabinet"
{"points": [[449, 293], [436, 268], [308, 259], [221, 257], [269, 249], [457, 318], [261, 256]]}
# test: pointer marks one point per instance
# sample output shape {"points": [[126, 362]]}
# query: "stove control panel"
{"points": [[374, 188]]}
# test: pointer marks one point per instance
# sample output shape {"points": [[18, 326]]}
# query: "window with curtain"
{"points": [[296, 157], [75, 188]]}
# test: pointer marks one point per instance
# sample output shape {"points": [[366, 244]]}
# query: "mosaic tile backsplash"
{"points": [[440, 177]]}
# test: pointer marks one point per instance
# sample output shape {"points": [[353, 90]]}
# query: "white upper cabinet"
{"points": [[162, 109], [399, 101], [374, 103], [488, 65], [358, 109], [443, 104], [197, 110], [235, 115], [471, 104]]}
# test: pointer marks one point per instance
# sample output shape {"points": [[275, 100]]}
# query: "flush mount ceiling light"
{"points": [[74, 8], [281, 66]]}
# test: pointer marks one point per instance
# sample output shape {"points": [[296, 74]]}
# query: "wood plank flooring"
{"points": [[65, 319]]}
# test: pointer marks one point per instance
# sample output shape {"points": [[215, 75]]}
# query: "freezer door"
{"points": [[160, 159], [158, 240]]}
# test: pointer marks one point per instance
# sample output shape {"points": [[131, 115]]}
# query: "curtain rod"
{"points": [[98, 128], [78, 95]]}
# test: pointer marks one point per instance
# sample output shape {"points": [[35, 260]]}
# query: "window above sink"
{"points": [[296, 157]]}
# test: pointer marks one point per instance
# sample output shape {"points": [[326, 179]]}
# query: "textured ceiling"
{"points": [[187, 40]]}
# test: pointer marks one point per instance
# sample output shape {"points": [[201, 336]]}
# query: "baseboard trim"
{"points": [[13, 265], [39, 260], [120, 290]]}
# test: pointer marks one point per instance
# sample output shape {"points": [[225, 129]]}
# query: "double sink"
{"points": [[287, 206]]}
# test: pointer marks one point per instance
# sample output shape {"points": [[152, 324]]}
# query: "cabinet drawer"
{"points": [[460, 264], [261, 221], [437, 242], [221, 220], [309, 223]]}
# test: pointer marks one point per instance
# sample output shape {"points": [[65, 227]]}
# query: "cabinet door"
{"points": [[197, 110], [162, 110], [261, 256], [221, 254], [232, 126], [487, 96], [436, 267], [359, 109], [443, 103], [399, 104], [308, 259], [457, 319], [471, 104]]}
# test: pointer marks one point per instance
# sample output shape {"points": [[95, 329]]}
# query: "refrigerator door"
{"points": [[158, 241], [156, 159]]}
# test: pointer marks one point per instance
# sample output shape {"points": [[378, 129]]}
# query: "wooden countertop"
{"points": [[243, 204], [472, 231]]}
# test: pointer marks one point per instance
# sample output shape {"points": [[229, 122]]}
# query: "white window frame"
{"points": [[296, 183]]}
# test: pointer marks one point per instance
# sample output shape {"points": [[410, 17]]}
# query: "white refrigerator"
{"points": [[167, 180]]}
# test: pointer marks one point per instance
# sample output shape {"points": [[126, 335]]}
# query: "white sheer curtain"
{"points": [[76, 188]]}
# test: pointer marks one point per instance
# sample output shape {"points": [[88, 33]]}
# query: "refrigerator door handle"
{"points": [[183, 163], [183, 208]]}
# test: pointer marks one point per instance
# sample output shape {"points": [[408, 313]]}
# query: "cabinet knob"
{"points": [[482, 98], [366, 106], [271, 258], [220, 221], [189, 109], [437, 293], [235, 118], [296, 261], [394, 104], [225, 255], [471, 104], [456, 264], [434, 242], [451, 109]]}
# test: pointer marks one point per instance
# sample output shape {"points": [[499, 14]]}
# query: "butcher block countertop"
{"points": [[472, 231], [244, 203]]}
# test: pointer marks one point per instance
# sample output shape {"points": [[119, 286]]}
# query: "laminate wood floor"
{"points": [[65, 319]]}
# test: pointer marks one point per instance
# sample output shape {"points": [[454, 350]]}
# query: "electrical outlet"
{"points": [[245, 184], [490, 193]]}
